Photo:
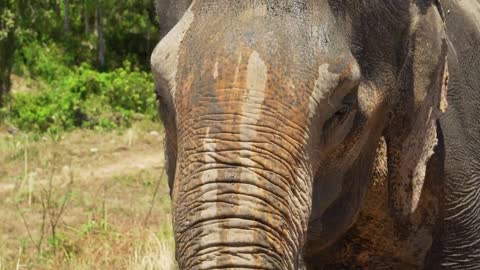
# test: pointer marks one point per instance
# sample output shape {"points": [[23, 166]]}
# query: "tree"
{"points": [[86, 17], [105, 33], [7, 46], [100, 35], [66, 24]]}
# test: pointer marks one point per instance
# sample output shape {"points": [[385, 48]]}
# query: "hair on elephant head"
{"points": [[273, 111]]}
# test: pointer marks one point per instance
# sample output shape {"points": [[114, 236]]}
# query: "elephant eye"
{"points": [[164, 105], [343, 111], [347, 106], [340, 123]]}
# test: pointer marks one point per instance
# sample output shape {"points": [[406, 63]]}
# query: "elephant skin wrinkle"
{"points": [[321, 134]]}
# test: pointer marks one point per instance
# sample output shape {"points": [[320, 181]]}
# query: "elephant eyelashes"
{"points": [[340, 123], [347, 106], [343, 111]]}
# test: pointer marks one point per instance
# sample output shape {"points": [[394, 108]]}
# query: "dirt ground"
{"points": [[84, 200]]}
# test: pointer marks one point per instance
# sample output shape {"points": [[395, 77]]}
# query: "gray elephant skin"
{"points": [[322, 134]]}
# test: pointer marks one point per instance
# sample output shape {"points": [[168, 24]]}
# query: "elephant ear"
{"points": [[169, 12], [411, 132]]}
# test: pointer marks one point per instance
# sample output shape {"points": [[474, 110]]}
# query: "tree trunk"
{"points": [[85, 20], [7, 49], [100, 36], [66, 24], [147, 30], [56, 8]]}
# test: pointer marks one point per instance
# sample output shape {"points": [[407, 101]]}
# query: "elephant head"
{"points": [[273, 111]]}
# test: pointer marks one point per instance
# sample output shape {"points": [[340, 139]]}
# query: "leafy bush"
{"points": [[83, 97], [47, 62]]}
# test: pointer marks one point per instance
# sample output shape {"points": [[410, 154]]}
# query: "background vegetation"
{"points": [[89, 58], [81, 162]]}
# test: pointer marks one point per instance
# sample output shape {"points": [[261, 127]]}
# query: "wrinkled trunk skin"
{"points": [[241, 194], [246, 124]]}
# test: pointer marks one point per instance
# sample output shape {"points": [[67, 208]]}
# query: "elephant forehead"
{"points": [[243, 80]]}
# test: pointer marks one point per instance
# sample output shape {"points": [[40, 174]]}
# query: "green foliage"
{"points": [[73, 92], [81, 96], [7, 22], [46, 62]]}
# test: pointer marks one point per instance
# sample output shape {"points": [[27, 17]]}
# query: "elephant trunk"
{"points": [[240, 199]]}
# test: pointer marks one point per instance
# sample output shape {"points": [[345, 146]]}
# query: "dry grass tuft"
{"points": [[155, 254], [115, 214]]}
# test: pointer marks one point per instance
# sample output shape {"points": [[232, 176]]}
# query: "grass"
{"points": [[156, 254], [85, 200]]}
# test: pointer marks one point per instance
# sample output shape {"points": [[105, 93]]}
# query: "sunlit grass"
{"points": [[107, 182], [154, 254]]}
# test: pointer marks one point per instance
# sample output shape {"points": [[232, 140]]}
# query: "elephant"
{"points": [[321, 134]]}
